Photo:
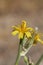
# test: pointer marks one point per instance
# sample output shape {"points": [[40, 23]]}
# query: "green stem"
{"points": [[19, 51], [39, 60], [26, 60], [18, 56]]}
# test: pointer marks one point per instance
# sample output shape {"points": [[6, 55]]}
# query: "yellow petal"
{"points": [[30, 29], [14, 33], [28, 34], [14, 27], [23, 24], [21, 35], [40, 41]]}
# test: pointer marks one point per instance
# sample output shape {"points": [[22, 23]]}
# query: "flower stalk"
{"points": [[28, 61], [18, 56], [28, 38], [19, 51]]}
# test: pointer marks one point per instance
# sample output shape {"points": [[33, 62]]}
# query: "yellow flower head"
{"points": [[22, 30], [37, 38]]}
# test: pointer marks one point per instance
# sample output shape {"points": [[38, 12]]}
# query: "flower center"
{"points": [[23, 30]]}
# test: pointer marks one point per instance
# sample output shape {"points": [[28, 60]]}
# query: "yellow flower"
{"points": [[22, 30], [38, 39]]}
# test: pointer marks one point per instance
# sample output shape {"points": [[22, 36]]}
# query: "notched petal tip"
{"points": [[23, 23], [14, 33], [41, 41], [30, 29]]}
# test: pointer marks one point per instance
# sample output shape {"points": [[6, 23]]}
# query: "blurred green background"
{"points": [[11, 13]]}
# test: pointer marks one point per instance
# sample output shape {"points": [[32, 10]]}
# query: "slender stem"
{"points": [[19, 51], [18, 56], [39, 60], [26, 60]]}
